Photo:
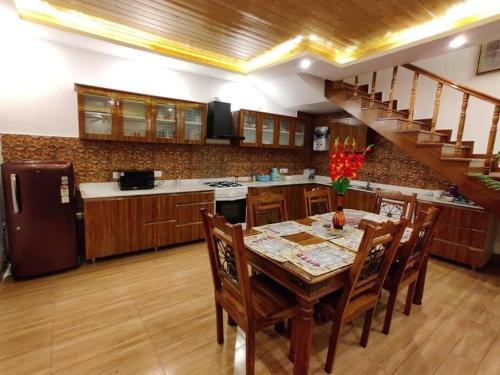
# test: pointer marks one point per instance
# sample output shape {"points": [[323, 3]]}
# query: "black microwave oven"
{"points": [[137, 180]]}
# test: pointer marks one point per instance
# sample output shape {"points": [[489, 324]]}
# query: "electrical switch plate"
{"points": [[116, 175], [283, 170], [158, 174]]}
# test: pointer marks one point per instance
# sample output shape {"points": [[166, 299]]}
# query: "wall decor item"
{"points": [[321, 138], [489, 57]]}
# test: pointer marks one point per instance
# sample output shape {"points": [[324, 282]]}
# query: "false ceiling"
{"points": [[247, 35]]}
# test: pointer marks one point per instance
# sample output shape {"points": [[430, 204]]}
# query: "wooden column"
{"points": [[437, 101], [372, 93], [391, 93], [413, 96], [356, 82], [491, 140], [461, 123]]}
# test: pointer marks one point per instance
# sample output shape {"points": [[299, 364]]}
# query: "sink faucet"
{"points": [[178, 181], [368, 186]]}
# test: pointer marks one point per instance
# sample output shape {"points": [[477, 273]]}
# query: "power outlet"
{"points": [[283, 170], [116, 175], [158, 174]]}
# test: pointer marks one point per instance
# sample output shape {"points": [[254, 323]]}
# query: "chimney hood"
{"points": [[220, 121]]}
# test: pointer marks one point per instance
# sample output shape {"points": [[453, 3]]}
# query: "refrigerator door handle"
{"points": [[13, 189]]}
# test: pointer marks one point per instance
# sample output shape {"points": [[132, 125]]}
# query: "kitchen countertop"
{"points": [[93, 190]]}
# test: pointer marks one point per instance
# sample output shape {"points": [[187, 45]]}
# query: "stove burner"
{"points": [[222, 184]]}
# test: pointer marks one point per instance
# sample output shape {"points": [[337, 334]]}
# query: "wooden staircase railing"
{"points": [[441, 81]]}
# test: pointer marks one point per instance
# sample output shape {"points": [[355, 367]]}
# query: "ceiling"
{"points": [[247, 35]]}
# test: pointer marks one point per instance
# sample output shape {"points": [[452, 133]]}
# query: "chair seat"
{"points": [[357, 304], [270, 300]]}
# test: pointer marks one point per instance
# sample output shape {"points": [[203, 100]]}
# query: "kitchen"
{"points": [[110, 153]]}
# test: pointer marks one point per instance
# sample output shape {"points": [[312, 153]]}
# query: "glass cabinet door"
{"points": [[193, 124], [299, 133], [166, 121], [284, 136], [134, 118], [250, 128], [97, 114], [268, 130]]}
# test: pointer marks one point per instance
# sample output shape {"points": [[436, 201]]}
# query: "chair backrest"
{"points": [[375, 255], [317, 201], [228, 263], [266, 208], [395, 204], [416, 248]]}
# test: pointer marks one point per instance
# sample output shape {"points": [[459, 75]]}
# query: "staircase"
{"points": [[421, 138]]}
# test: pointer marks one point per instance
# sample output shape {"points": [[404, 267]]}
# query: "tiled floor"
{"points": [[152, 313]]}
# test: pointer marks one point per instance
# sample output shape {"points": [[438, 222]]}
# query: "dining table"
{"points": [[308, 287]]}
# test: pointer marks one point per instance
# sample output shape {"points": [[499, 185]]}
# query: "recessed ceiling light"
{"points": [[458, 41], [305, 63]]}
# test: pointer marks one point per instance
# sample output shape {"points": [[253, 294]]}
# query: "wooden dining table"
{"points": [[308, 289]]}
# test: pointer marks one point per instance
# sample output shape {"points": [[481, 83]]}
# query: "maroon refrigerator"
{"points": [[40, 215]]}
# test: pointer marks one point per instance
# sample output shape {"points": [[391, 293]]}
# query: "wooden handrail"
{"points": [[455, 85]]}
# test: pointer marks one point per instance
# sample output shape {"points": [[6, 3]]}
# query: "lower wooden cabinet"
{"points": [[121, 225]]}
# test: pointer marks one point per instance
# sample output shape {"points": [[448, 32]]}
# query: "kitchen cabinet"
{"points": [[261, 129], [121, 225], [462, 234], [299, 133], [116, 115]]}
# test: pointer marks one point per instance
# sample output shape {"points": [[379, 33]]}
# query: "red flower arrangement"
{"points": [[345, 163]]}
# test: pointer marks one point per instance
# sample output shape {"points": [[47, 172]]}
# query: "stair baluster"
{"points": [[356, 82], [461, 124], [437, 101], [411, 110], [392, 92], [372, 94], [491, 140]]}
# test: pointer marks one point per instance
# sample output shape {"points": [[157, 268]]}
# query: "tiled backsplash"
{"points": [[95, 161]]}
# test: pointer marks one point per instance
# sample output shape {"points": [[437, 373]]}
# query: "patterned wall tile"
{"points": [[95, 160]]}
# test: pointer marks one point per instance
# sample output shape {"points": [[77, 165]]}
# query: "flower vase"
{"points": [[338, 219]]}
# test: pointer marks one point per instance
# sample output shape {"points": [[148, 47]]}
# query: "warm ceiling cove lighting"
{"points": [[305, 63], [458, 41]]}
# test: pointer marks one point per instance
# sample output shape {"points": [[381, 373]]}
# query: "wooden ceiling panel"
{"points": [[242, 30]]}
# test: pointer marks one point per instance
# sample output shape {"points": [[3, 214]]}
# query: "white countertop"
{"points": [[94, 190]]}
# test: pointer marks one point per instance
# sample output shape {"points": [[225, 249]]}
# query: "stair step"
{"points": [[440, 144]]}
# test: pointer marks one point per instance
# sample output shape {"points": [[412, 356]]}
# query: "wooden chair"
{"points": [[266, 208], [317, 198], [395, 204], [253, 302], [405, 270], [363, 283]]}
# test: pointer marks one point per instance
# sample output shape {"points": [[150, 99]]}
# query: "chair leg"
{"points": [[230, 321], [332, 345], [291, 332], [250, 351], [220, 326], [390, 309], [409, 297], [367, 327]]}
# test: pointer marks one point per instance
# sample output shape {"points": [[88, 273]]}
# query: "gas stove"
{"points": [[223, 184], [227, 190]]}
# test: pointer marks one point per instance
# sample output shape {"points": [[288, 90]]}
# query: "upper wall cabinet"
{"points": [[116, 115], [270, 130]]}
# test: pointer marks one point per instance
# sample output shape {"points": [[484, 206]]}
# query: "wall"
{"points": [[386, 164], [459, 66], [94, 161]]}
